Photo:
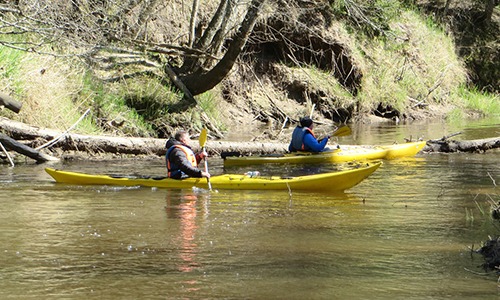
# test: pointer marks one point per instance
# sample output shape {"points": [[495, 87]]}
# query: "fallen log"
{"points": [[14, 145], [124, 145], [450, 146]]}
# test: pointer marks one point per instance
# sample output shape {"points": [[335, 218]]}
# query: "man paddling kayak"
{"points": [[303, 138], [182, 162]]}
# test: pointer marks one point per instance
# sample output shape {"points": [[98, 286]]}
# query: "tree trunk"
{"points": [[218, 39], [198, 84], [193, 64]]}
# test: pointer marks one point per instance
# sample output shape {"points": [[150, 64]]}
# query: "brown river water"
{"points": [[406, 232]]}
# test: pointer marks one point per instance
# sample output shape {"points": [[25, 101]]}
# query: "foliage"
{"points": [[111, 111], [487, 104], [48, 89], [408, 68], [371, 18]]}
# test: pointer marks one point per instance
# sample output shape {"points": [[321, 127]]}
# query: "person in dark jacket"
{"points": [[182, 162], [303, 138]]}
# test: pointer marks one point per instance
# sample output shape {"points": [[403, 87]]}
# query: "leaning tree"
{"points": [[129, 36]]}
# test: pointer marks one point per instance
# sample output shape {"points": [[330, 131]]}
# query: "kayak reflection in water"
{"points": [[183, 206], [303, 138], [182, 162]]}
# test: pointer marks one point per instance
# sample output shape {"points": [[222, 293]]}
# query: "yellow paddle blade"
{"points": [[343, 130], [203, 137]]}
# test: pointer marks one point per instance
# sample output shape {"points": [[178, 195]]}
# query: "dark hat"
{"points": [[306, 121]]}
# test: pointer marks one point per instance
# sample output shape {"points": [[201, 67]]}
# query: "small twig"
{"points": [[312, 110], [7, 153], [53, 141], [445, 137], [492, 179], [481, 210], [404, 201], [283, 126], [474, 272], [289, 190], [451, 135], [210, 125]]}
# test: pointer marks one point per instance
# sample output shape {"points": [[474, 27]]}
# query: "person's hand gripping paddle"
{"points": [[203, 141]]}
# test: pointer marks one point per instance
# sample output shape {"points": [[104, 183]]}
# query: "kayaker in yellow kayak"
{"points": [[182, 162], [303, 138]]}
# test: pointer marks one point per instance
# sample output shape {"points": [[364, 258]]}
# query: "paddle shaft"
{"points": [[206, 170]]}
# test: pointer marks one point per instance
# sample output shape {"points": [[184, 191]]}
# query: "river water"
{"points": [[404, 233]]}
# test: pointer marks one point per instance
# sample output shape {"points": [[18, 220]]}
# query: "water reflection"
{"points": [[183, 205], [403, 233]]}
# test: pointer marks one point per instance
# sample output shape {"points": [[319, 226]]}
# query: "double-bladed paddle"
{"points": [[203, 141]]}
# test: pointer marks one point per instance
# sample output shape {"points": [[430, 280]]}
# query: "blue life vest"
{"points": [[298, 138]]}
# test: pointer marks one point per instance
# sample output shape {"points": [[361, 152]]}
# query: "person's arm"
{"points": [[312, 143], [200, 155]]}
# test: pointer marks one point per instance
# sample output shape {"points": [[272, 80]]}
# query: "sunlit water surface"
{"points": [[404, 233]]}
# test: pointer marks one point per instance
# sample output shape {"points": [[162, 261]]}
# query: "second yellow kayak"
{"points": [[344, 154]]}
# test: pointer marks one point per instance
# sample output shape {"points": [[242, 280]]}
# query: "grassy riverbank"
{"points": [[413, 71]]}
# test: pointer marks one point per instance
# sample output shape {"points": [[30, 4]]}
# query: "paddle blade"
{"points": [[343, 130], [203, 137]]}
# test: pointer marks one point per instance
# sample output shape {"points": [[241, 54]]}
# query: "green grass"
{"points": [[418, 63], [473, 103], [485, 103], [111, 111], [9, 73], [47, 87]]}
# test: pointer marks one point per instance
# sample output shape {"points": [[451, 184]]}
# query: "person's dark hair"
{"points": [[305, 121], [179, 134]]}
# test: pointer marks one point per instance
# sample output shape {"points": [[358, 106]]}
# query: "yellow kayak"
{"points": [[326, 182], [344, 154]]}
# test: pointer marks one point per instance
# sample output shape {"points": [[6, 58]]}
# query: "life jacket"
{"points": [[298, 138], [173, 169]]}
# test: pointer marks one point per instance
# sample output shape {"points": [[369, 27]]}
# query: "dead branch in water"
{"points": [[444, 138], [25, 150], [450, 146]]}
